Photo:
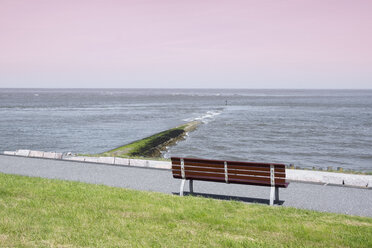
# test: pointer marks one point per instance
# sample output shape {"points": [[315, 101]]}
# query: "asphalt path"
{"points": [[326, 198]]}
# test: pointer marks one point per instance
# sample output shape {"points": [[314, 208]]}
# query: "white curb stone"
{"points": [[139, 163], [122, 161], [80, 159], [49, 155], [91, 159], [23, 153], [9, 153], [106, 160], [53, 155], [58, 155], [36, 154], [160, 164], [329, 178]]}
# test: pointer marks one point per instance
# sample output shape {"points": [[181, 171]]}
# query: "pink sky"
{"points": [[195, 43]]}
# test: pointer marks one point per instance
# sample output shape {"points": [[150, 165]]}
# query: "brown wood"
{"points": [[211, 164], [238, 172], [240, 167], [255, 173], [230, 171], [204, 174], [235, 181], [189, 174], [243, 166], [196, 168], [198, 160]]}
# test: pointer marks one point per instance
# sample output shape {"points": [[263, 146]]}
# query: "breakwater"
{"points": [[154, 145]]}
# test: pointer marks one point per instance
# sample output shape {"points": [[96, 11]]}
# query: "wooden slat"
{"points": [[198, 160], [253, 178], [235, 181], [206, 174], [257, 167], [202, 178], [233, 163], [245, 167], [197, 168], [230, 168], [230, 171], [255, 173], [242, 177], [176, 167], [238, 172], [222, 176], [280, 185], [213, 165]]}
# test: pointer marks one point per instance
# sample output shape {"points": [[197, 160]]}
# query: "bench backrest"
{"points": [[266, 174]]}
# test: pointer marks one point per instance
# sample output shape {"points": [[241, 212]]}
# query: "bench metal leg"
{"points": [[182, 186], [272, 195], [277, 194], [191, 187]]}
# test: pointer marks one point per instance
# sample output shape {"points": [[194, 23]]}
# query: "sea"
{"points": [[307, 128]]}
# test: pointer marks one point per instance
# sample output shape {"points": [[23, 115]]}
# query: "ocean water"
{"points": [[308, 128]]}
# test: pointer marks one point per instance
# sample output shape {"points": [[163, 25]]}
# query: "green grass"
{"points": [[147, 147], [150, 147], [38, 212], [143, 147]]}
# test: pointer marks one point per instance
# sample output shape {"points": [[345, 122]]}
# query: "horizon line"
{"points": [[180, 88]]}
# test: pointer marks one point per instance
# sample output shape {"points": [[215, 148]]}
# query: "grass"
{"points": [[144, 146], [152, 146], [38, 212]]}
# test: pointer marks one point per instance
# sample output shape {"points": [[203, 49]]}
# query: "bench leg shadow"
{"points": [[229, 198]]}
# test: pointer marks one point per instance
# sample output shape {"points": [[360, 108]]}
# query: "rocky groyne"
{"points": [[154, 145]]}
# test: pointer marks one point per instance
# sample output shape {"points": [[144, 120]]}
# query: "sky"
{"points": [[186, 44]]}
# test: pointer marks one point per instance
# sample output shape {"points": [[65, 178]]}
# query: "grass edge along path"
{"points": [[36, 212]]}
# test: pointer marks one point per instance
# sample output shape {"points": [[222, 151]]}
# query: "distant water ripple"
{"points": [[309, 128]]}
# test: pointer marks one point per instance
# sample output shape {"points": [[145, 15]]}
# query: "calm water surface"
{"points": [[309, 128]]}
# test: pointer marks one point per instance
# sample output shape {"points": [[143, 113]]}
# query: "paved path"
{"points": [[335, 199]]}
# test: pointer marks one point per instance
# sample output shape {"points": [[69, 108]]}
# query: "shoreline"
{"points": [[296, 175]]}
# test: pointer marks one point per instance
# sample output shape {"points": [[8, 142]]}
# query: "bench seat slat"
{"points": [[235, 181], [256, 173], [248, 178], [196, 168], [198, 160], [261, 174], [237, 167], [245, 167], [211, 164], [230, 171]]}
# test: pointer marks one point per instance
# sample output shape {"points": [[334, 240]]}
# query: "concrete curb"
{"points": [[319, 177], [122, 161], [354, 180]]}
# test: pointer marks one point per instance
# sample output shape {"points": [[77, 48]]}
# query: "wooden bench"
{"points": [[260, 174]]}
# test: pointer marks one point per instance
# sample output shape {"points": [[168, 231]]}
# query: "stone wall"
{"points": [[363, 181]]}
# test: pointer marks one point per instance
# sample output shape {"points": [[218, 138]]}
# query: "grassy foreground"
{"points": [[38, 212]]}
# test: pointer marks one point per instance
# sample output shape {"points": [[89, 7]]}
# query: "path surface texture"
{"points": [[337, 199]]}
